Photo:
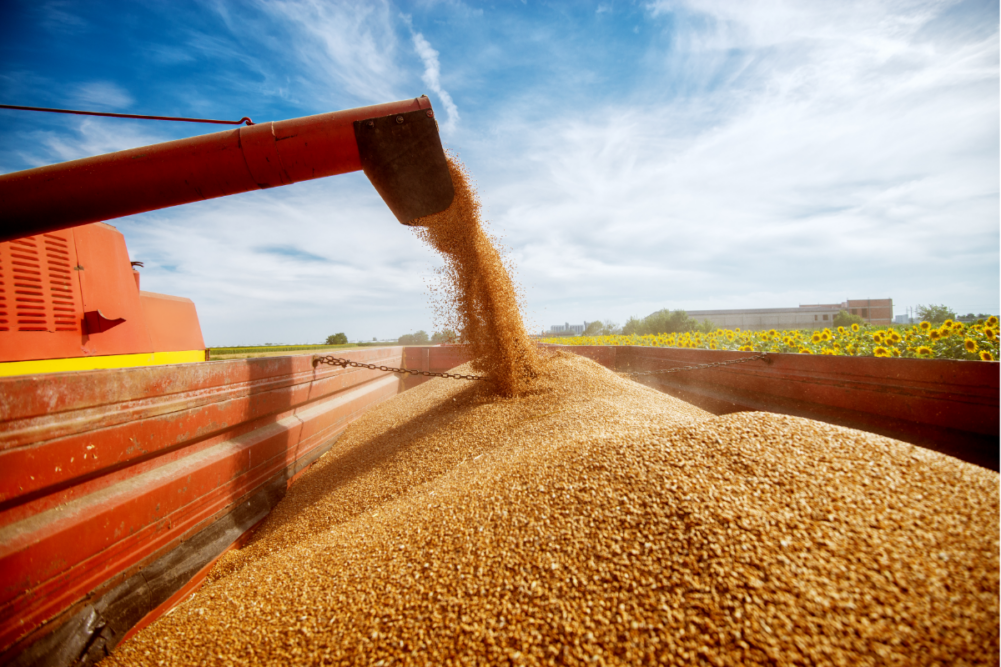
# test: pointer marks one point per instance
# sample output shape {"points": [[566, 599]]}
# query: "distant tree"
{"points": [[446, 336], [610, 328], [846, 319], [419, 338], [663, 321], [935, 314], [706, 326], [593, 329], [337, 339]]}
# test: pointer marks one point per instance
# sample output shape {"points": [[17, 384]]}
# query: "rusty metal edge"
{"points": [[85, 635]]}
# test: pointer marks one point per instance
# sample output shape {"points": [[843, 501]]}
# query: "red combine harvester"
{"points": [[121, 486], [70, 301]]}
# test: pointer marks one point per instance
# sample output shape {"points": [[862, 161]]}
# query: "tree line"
{"points": [[663, 322], [667, 321], [421, 338]]}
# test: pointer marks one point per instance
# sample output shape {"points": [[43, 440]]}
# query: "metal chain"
{"points": [[696, 368], [344, 363]]}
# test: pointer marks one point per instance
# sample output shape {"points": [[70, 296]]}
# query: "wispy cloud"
{"points": [[290, 252], [432, 78], [822, 159], [349, 45], [57, 17], [101, 96], [80, 138], [320, 254]]}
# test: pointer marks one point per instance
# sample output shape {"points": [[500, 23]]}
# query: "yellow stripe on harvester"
{"points": [[94, 363]]}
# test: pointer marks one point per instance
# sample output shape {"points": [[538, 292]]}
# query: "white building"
{"points": [[576, 329]]}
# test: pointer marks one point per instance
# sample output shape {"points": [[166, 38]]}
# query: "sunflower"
{"points": [[990, 333], [986, 356], [815, 338], [958, 326], [828, 351], [877, 337], [746, 348], [803, 350], [925, 326], [881, 352], [945, 331], [854, 327], [825, 336], [970, 345], [947, 323], [924, 351], [895, 352], [992, 321], [773, 333], [894, 337], [841, 330], [934, 334]]}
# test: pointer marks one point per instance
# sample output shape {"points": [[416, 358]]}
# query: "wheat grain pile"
{"points": [[596, 521]]}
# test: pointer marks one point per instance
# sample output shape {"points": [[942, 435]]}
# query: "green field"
{"points": [[274, 350]]}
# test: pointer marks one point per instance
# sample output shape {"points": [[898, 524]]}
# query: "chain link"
{"points": [[696, 368], [344, 363]]}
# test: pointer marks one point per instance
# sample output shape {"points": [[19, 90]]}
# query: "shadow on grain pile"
{"points": [[597, 521]]}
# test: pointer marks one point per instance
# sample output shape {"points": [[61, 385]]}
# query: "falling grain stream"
{"points": [[562, 514]]}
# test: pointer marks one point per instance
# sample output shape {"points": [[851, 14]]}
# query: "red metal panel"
{"points": [[952, 394], [109, 293], [177, 447], [154, 413], [40, 306], [447, 357], [172, 322]]}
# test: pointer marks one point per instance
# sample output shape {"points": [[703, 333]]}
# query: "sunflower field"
{"points": [[950, 340]]}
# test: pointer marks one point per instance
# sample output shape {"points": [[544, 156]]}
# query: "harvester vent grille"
{"points": [[38, 290]]}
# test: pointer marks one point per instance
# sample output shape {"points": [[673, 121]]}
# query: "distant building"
{"points": [[575, 329], [812, 316]]}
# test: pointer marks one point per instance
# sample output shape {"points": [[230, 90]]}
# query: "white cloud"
{"points": [[432, 78], [833, 157], [350, 45], [358, 270], [82, 137], [101, 96], [56, 17]]}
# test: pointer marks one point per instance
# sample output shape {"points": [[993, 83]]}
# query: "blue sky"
{"points": [[632, 156]]}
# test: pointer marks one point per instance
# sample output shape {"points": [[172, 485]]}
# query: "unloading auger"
{"points": [[396, 144]]}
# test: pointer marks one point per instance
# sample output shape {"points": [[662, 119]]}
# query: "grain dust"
{"points": [[593, 520], [476, 297]]}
